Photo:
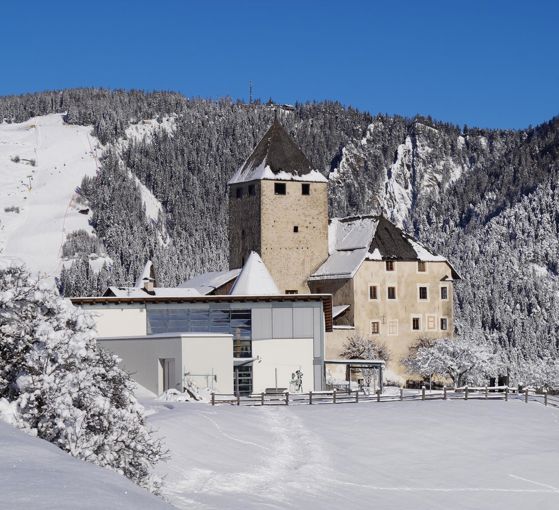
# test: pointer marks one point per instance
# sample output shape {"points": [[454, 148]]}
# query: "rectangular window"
{"points": [[421, 267], [444, 293], [391, 292], [423, 293], [416, 323], [239, 193], [431, 322], [444, 323], [375, 327], [295, 229], [251, 190], [393, 327], [390, 265], [305, 189], [292, 292], [279, 188], [373, 292]]}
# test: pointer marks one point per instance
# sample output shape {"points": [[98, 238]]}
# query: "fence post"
{"points": [[401, 393], [466, 393], [357, 397], [287, 398], [486, 393], [545, 397], [423, 392], [238, 399], [334, 396], [506, 393], [213, 398], [526, 395], [444, 392], [378, 395], [310, 397], [262, 398]]}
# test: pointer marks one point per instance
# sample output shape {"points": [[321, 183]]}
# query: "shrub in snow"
{"points": [[460, 359], [361, 347], [55, 383]]}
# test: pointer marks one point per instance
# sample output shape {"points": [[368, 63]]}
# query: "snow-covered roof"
{"points": [[277, 157], [206, 283], [133, 292], [356, 239], [254, 279], [338, 310], [146, 275]]}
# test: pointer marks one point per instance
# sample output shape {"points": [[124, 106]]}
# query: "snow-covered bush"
{"points": [[460, 359], [539, 373], [362, 347], [57, 384]]}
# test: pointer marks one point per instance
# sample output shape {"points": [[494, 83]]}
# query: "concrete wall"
{"points": [[206, 355], [140, 358], [286, 355], [406, 278], [118, 319]]}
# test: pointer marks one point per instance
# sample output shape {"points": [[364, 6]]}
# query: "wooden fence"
{"points": [[348, 396]]}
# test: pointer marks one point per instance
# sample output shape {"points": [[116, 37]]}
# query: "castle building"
{"points": [[384, 284]]}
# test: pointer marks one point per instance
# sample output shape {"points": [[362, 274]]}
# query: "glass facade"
{"points": [[214, 320]]}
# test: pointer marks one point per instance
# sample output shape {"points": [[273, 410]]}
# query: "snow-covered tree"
{"points": [[362, 347], [460, 359], [57, 384]]}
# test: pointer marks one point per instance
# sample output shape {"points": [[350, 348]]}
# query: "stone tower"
{"points": [[278, 207]]}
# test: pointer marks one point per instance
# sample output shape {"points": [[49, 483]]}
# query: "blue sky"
{"points": [[485, 63]]}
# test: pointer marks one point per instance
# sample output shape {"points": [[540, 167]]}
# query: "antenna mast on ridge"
{"points": [[250, 92]]}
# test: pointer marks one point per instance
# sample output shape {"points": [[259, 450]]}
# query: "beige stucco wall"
{"points": [[407, 304], [118, 319], [286, 355]]}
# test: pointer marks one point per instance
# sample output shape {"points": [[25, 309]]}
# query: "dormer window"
{"points": [[239, 193], [296, 229], [279, 188], [305, 189]]}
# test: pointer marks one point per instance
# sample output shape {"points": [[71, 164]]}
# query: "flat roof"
{"points": [[326, 300]]}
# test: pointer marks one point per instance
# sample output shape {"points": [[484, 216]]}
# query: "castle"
{"points": [[384, 283]]}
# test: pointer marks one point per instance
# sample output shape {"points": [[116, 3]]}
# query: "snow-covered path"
{"points": [[44, 192], [455, 454]]}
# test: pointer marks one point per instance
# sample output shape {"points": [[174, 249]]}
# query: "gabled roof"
{"points": [[206, 283], [137, 292], [277, 157], [355, 239], [255, 279]]}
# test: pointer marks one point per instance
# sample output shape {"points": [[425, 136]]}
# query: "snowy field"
{"points": [[37, 475], [395, 455], [42, 161]]}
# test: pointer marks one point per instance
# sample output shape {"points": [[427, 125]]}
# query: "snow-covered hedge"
{"points": [[57, 384]]}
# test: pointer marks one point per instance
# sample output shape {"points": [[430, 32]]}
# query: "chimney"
{"points": [[149, 285]]}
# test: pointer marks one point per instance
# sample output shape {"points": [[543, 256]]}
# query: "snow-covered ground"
{"points": [[394, 455], [35, 474], [38, 205]]}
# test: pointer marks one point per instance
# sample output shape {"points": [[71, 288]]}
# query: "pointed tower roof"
{"points": [[148, 274], [254, 279], [277, 157]]}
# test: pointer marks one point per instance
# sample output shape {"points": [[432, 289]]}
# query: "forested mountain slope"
{"points": [[487, 199]]}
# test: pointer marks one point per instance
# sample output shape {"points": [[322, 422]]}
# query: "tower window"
{"points": [[305, 189], [239, 193], [251, 190], [279, 188], [390, 265], [295, 229]]}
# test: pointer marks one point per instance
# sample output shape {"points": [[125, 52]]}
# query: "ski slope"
{"points": [[393, 455], [43, 193], [35, 474]]}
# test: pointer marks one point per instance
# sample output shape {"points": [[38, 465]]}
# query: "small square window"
{"points": [[391, 292], [375, 327], [423, 293], [444, 292], [305, 189], [444, 323], [279, 188], [373, 292], [416, 324], [295, 229], [421, 267], [239, 193], [251, 190], [390, 265]]}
